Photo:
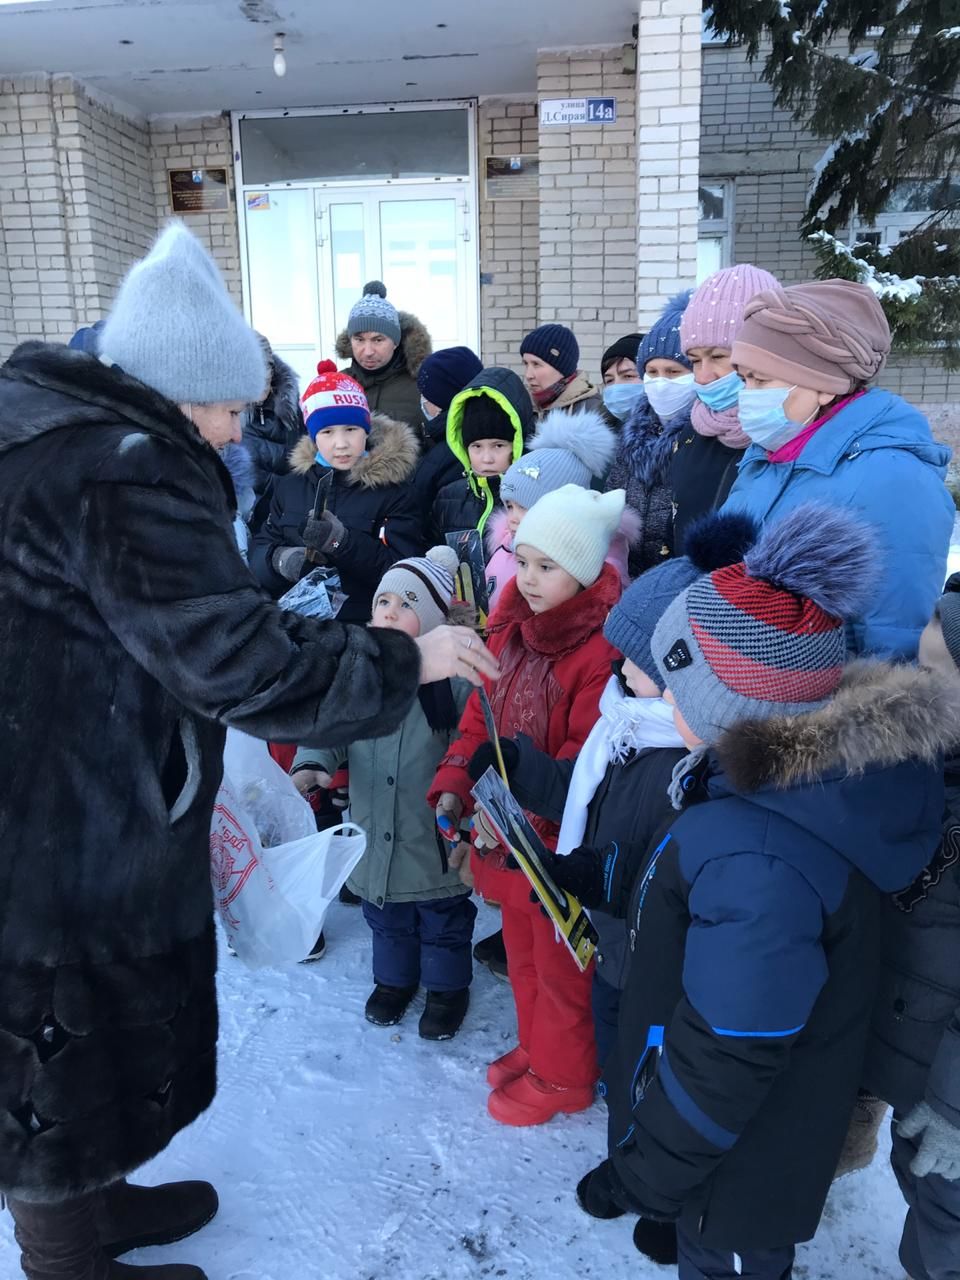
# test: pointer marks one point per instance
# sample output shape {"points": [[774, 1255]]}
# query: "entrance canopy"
{"points": [[214, 55]]}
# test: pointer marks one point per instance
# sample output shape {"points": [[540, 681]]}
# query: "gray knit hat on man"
{"points": [[567, 449], [766, 637], [175, 327], [374, 314]]}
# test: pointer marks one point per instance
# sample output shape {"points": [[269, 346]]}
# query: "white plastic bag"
{"points": [[274, 875]]}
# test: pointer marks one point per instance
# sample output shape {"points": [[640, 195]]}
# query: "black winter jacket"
{"points": [[271, 430], [628, 809], [702, 473], [438, 467], [914, 1050], [755, 938], [131, 633], [375, 503], [466, 503]]}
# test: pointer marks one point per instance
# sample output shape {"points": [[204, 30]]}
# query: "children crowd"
{"points": [[728, 702], [707, 582]]}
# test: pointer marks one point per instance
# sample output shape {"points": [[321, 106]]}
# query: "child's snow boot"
{"points": [[595, 1194], [129, 1217], [444, 1014], [508, 1067], [387, 1005], [529, 1100], [656, 1241], [492, 952], [59, 1242]]}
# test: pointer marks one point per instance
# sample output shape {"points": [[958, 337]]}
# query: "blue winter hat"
{"points": [[555, 345], [718, 539], [445, 374], [374, 314], [663, 340], [175, 327]]}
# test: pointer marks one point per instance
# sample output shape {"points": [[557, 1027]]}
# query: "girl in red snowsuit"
{"points": [[547, 634]]}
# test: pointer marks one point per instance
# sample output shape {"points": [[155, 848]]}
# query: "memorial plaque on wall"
{"points": [[512, 178], [199, 190]]}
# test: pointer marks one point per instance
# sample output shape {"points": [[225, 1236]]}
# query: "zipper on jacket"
{"points": [[644, 886]]}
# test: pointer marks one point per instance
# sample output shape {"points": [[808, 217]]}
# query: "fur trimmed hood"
{"points": [[284, 397], [392, 457], [414, 341], [882, 715]]}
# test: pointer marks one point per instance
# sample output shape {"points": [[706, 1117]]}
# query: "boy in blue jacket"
{"points": [[755, 928]]}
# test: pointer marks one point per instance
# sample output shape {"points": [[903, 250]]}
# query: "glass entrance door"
{"points": [[418, 239]]}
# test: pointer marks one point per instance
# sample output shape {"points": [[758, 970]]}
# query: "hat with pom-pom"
{"points": [[425, 583], [374, 314], [766, 637], [567, 449], [717, 539], [333, 399], [663, 340]]}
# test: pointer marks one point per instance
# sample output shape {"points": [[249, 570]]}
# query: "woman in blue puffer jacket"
{"points": [[806, 354]]}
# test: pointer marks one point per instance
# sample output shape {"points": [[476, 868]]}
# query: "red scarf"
{"points": [[544, 398], [791, 451]]}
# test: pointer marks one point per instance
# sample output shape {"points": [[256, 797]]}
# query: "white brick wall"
{"points": [[588, 205], [199, 143], [668, 150], [509, 235]]}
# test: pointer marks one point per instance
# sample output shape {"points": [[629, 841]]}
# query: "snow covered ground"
{"points": [[344, 1151]]}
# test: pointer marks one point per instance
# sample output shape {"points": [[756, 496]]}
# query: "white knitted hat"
{"points": [[425, 583], [574, 527], [175, 327]]}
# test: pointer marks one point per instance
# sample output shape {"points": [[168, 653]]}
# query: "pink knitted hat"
{"points": [[715, 311]]}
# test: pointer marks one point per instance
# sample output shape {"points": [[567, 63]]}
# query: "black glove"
{"points": [[324, 534], [602, 1193], [580, 873], [484, 757]]}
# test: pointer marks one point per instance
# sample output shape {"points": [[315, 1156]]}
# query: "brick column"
{"points": [[668, 150], [588, 204]]}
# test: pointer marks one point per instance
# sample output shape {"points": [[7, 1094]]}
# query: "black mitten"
{"points": [[485, 757]]}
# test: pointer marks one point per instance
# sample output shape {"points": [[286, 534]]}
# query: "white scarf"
{"points": [[626, 724]]}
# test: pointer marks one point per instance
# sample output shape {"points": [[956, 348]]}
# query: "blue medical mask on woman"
{"points": [[670, 396], [722, 393], [621, 398], [764, 419]]}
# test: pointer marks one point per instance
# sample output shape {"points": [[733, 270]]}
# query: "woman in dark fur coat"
{"points": [[131, 634]]}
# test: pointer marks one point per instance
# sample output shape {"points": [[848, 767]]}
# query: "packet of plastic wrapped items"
{"points": [[318, 595]]}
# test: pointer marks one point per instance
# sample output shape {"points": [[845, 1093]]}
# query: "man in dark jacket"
{"points": [[273, 427], [913, 1059], [136, 634], [754, 930], [386, 348]]}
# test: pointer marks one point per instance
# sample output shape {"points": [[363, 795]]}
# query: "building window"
{"points": [[911, 203], [715, 233]]}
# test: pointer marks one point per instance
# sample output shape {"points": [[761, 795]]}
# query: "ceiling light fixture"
{"points": [[279, 61]]}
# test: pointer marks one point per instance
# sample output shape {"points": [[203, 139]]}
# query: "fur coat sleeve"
{"points": [[163, 572]]}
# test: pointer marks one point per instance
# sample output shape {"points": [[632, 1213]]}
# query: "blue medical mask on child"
{"points": [[621, 398], [429, 417], [722, 393], [670, 396], [763, 418]]}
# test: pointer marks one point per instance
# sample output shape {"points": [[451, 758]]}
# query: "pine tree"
{"points": [[879, 80]]}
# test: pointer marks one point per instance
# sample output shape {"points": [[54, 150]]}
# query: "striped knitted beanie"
{"points": [[426, 583], [766, 637], [333, 399]]}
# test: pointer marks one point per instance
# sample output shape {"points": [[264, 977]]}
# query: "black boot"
{"points": [[387, 1005], [348, 897], [444, 1014], [595, 1196], [129, 1217], [491, 952], [656, 1241], [59, 1242]]}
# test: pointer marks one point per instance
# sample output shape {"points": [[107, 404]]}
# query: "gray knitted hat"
{"points": [[568, 449], [426, 583], [175, 327], [717, 539], [766, 637], [374, 314]]}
